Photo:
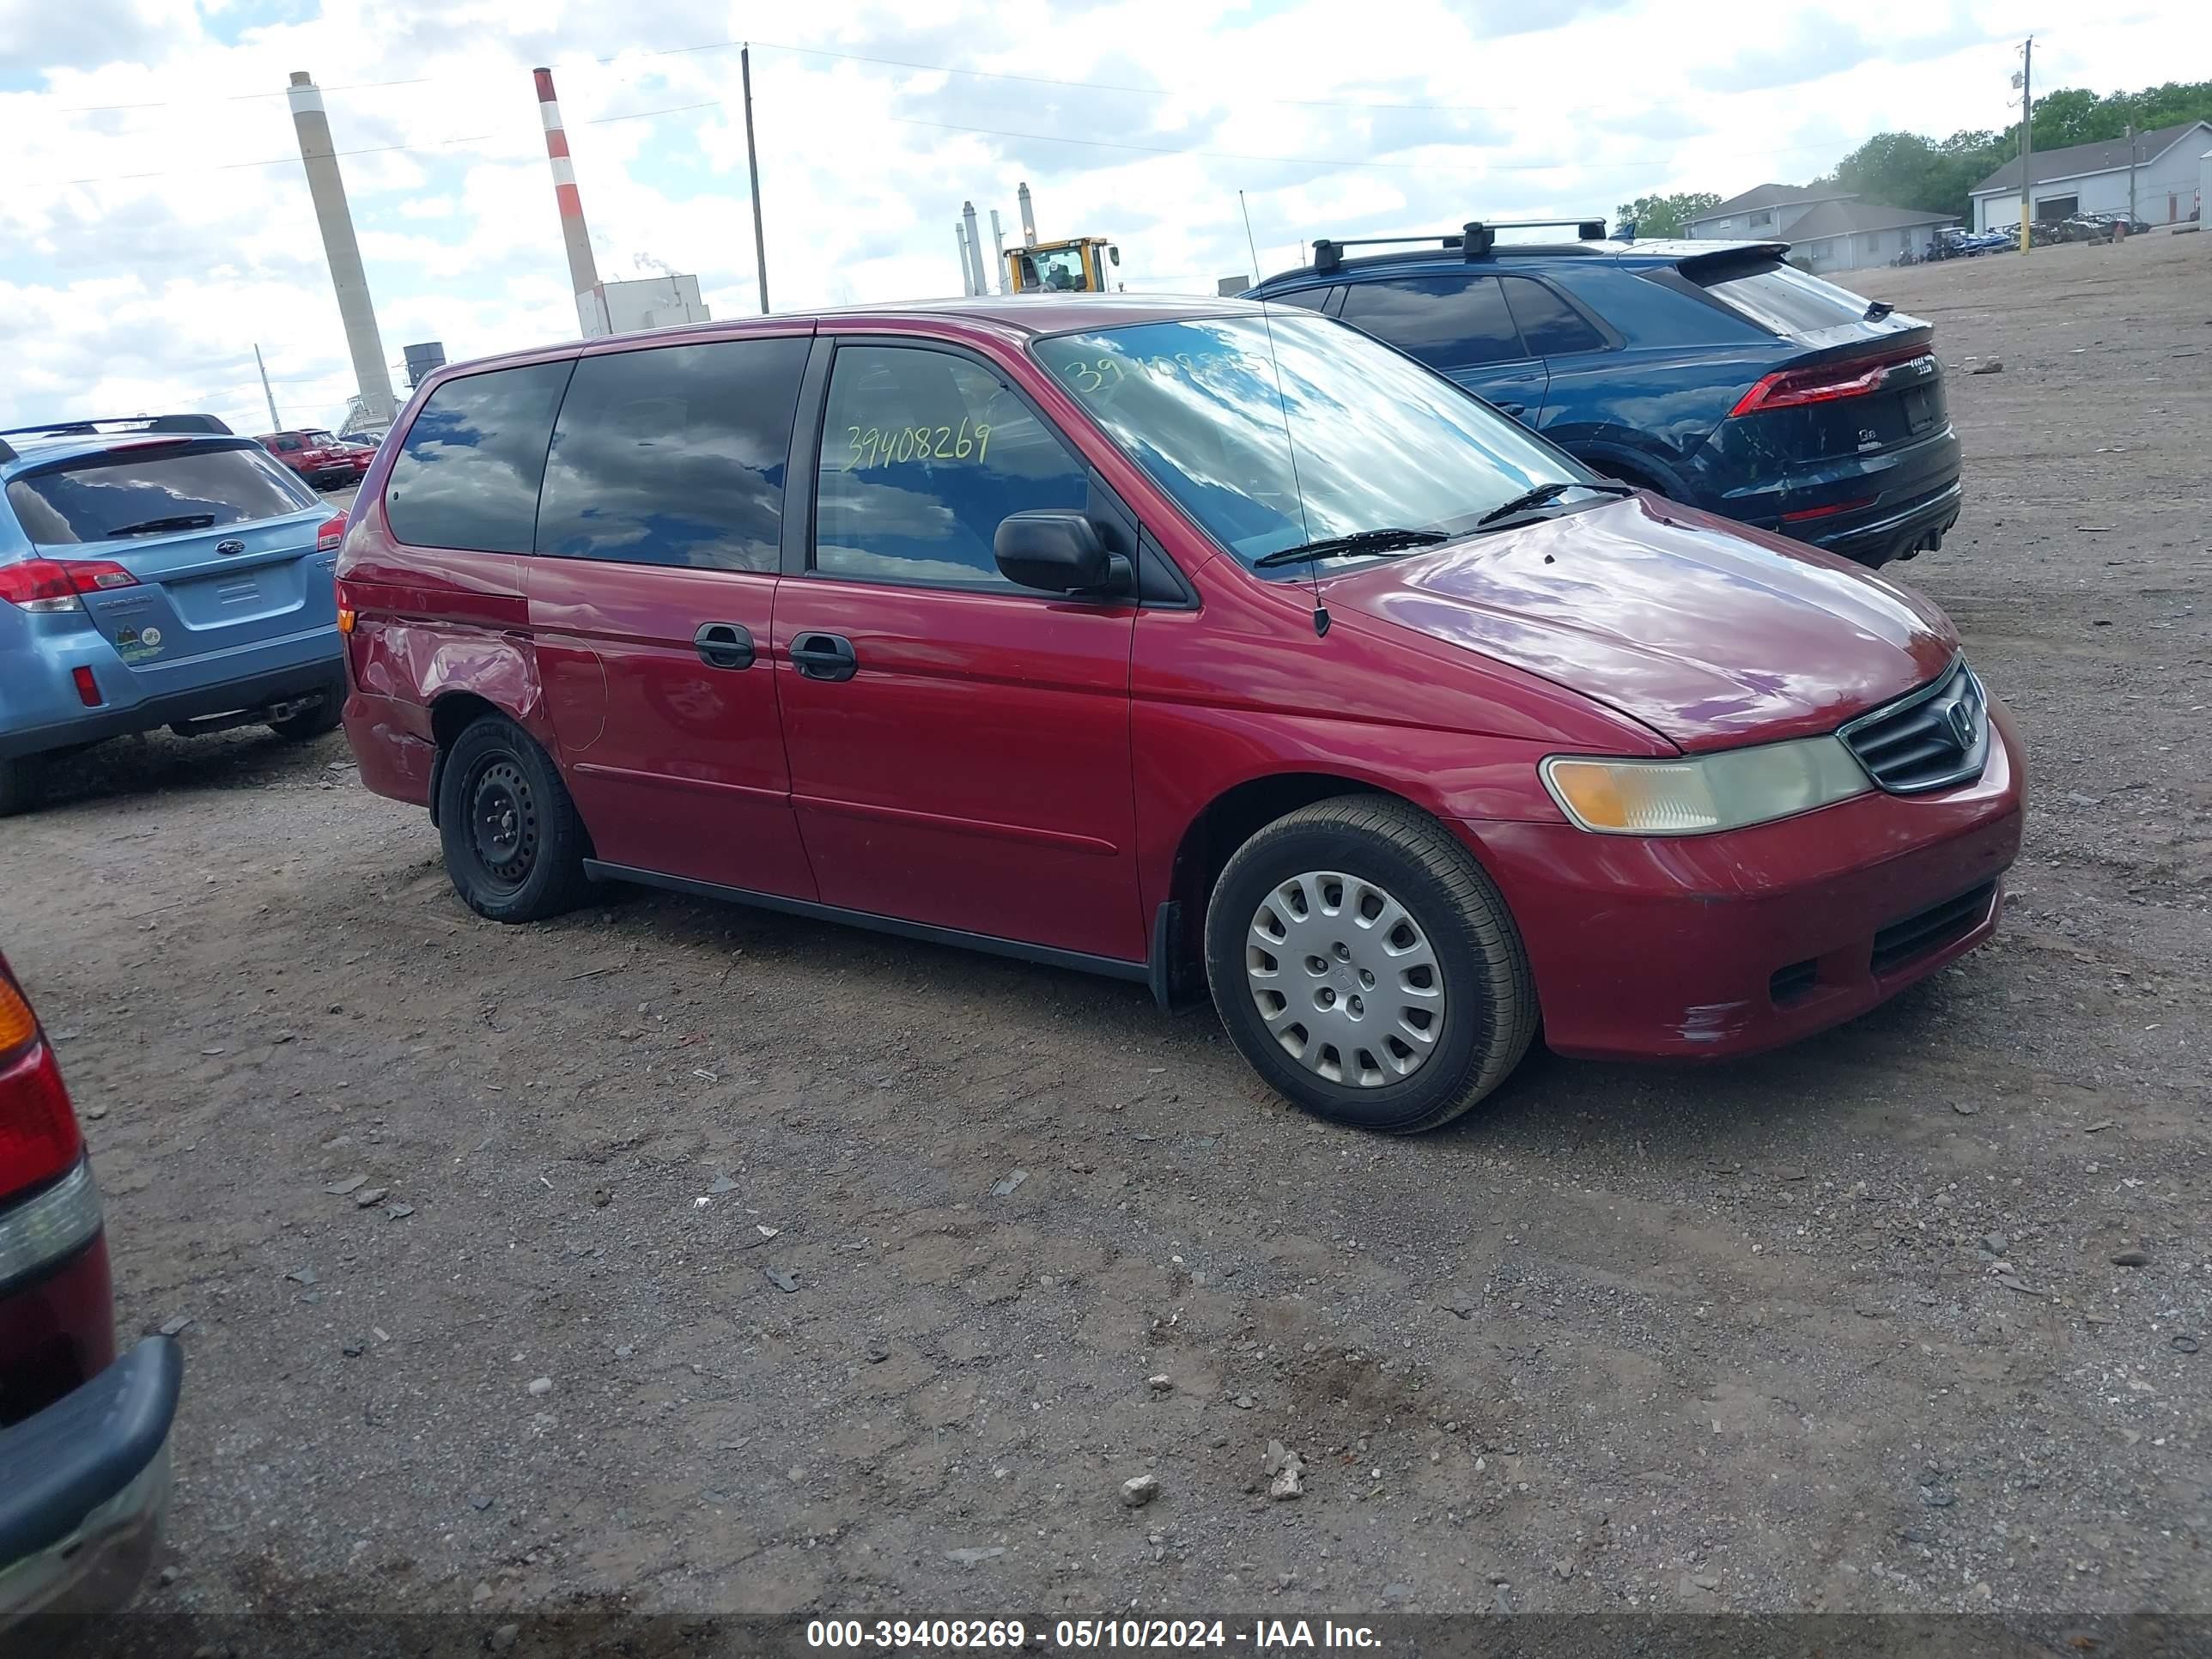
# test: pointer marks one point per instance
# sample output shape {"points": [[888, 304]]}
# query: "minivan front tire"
{"points": [[1367, 968], [515, 846]]}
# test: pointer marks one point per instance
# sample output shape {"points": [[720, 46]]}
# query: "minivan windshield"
{"points": [[1288, 430]]}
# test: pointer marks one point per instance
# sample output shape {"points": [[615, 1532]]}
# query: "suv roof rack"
{"points": [[102, 423], [1474, 239]]}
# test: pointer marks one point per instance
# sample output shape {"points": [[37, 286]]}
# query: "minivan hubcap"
{"points": [[1345, 979], [503, 821]]}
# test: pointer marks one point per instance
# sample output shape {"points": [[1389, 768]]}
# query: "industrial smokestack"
{"points": [[999, 246], [977, 282], [583, 275], [1028, 218], [356, 311]]}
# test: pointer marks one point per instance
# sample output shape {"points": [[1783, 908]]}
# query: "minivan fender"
{"points": [[439, 678]]}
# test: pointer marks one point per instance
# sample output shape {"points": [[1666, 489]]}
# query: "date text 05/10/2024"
{"points": [[1262, 1636]]}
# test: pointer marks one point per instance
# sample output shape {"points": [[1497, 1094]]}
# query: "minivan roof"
{"points": [[1021, 314]]}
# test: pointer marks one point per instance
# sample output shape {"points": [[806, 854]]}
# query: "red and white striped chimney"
{"points": [[582, 273]]}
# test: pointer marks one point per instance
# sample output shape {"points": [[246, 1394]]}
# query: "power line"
{"points": [[1323, 160], [366, 149], [1378, 106], [947, 126]]}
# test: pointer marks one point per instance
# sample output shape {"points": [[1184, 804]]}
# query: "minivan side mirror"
{"points": [[1058, 551]]}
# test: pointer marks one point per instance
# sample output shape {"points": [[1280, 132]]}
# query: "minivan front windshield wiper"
{"points": [[1543, 495], [155, 526], [1358, 544]]}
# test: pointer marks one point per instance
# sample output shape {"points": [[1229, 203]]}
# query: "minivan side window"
{"points": [[675, 455], [1447, 321], [1551, 326], [467, 475], [923, 452]]}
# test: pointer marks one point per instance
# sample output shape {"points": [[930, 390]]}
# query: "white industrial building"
{"points": [[2157, 178], [669, 302]]}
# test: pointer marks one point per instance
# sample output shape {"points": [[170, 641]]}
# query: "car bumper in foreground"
{"points": [[1709, 947], [264, 694], [84, 1485]]}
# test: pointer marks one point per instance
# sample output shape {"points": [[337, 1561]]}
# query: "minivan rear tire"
{"points": [[514, 845], [1454, 916]]}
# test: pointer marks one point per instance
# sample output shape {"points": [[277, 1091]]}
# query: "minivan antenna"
{"points": [[1253, 245], [1290, 442]]}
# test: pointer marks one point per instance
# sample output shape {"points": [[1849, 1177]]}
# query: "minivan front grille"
{"points": [[1930, 930], [1930, 738]]}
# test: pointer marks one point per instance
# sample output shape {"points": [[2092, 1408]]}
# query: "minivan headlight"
{"points": [[1704, 793]]}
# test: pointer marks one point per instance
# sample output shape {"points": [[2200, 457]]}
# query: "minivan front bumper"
{"points": [[1705, 947]]}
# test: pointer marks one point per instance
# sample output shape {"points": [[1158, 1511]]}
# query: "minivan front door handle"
{"points": [[724, 645], [824, 657]]}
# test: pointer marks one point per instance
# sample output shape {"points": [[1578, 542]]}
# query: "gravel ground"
{"points": [[678, 1257]]}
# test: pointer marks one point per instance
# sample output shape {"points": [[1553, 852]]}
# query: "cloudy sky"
{"points": [[155, 224]]}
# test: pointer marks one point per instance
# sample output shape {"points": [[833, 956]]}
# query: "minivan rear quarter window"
{"points": [[102, 496], [467, 477], [675, 455]]}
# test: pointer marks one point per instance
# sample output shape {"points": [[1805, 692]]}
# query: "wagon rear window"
{"points": [[96, 498]]}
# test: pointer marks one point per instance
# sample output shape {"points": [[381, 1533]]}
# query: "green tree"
{"points": [[1667, 216], [1905, 169]]}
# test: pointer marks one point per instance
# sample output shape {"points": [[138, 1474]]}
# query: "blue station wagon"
{"points": [[1715, 373], [158, 571]]}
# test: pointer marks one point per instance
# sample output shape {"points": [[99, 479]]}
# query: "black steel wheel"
{"points": [[514, 846]]}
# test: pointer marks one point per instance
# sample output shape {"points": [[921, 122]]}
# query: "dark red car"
{"points": [[325, 461], [1183, 641], [84, 1437]]}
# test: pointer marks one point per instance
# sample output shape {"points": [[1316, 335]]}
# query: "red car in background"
{"points": [[324, 460], [84, 1437], [1199, 643]]}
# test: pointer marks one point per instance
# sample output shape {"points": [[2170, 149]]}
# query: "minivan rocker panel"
{"points": [[1327, 788]]}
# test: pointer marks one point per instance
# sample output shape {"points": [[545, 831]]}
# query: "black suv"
{"points": [[1715, 373]]}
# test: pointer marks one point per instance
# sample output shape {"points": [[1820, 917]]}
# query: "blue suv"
{"points": [[1715, 373], [158, 571]]}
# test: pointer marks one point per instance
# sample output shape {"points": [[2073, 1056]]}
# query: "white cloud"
{"points": [[156, 225]]}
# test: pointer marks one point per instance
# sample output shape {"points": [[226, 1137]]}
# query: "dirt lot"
{"points": [[1840, 1328]]}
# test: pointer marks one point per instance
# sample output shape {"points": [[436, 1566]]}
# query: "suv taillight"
{"points": [[54, 584], [1821, 383], [38, 1136]]}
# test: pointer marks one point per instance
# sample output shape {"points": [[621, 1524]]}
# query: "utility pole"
{"points": [[752, 163], [2131, 174], [276, 421], [2027, 138]]}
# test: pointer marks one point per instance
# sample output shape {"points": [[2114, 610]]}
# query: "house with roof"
{"points": [[2156, 177], [1766, 211], [1827, 229]]}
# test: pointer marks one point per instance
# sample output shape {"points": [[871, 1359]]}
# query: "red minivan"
{"points": [[1193, 643]]}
